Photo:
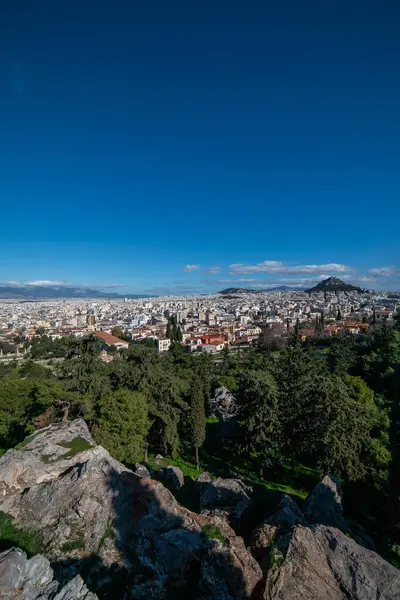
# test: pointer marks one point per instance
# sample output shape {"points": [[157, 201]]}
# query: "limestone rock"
{"points": [[324, 504], [324, 564], [174, 477], [278, 525], [142, 470], [223, 404], [229, 572], [223, 497], [68, 497], [23, 579], [204, 477]]}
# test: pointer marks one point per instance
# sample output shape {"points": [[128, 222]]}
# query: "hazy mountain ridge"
{"points": [[58, 291]]}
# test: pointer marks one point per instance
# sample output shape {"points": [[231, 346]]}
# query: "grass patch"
{"points": [[109, 534], [10, 536], [276, 557], [78, 544], [212, 420], [3, 451], [75, 446], [25, 442], [213, 533]]}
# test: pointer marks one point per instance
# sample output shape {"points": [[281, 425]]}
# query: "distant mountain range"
{"points": [[333, 284], [278, 288], [43, 292]]}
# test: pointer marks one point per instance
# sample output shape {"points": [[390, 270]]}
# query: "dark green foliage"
{"points": [[21, 402], [11, 535], [82, 370], [122, 425], [342, 355], [260, 416], [213, 533], [197, 417]]}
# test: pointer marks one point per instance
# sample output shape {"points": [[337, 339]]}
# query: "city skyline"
{"points": [[197, 279], [182, 148]]}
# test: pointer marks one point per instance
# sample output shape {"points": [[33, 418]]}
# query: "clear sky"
{"points": [[187, 146]]}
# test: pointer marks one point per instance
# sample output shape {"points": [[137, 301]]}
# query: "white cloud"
{"points": [[279, 268], [383, 271], [190, 268], [46, 282]]}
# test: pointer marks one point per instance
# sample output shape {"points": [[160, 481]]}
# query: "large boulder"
{"points": [[224, 405], [228, 572], [224, 497], [324, 504], [286, 516], [23, 579], [174, 477], [322, 563], [88, 508]]}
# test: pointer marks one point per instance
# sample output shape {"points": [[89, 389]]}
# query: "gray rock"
{"points": [[224, 405], [324, 507], [23, 579], [324, 564], [324, 504], [142, 470], [223, 496], [174, 477], [278, 525], [204, 477], [75, 590], [229, 572]]}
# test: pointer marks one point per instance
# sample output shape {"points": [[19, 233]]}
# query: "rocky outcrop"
{"points": [[204, 477], [324, 503], [23, 579], [263, 538], [224, 405], [174, 477], [322, 563], [324, 507], [84, 505], [142, 470], [226, 498]]}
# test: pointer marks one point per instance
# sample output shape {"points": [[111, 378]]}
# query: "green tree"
{"points": [[259, 417], [83, 371], [339, 315], [197, 417], [21, 402], [122, 425], [297, 369], [341, 356], [179, 336]]}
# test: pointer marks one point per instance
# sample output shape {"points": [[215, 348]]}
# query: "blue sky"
{"points": [[181, 147]]}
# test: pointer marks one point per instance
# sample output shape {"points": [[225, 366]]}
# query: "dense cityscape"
{"points": [[205, 323]]}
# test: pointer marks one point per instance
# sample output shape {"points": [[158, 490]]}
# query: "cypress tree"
{"points": [[198, 417]]}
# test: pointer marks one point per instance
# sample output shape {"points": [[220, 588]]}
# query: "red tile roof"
{"points": [[109, 339]]}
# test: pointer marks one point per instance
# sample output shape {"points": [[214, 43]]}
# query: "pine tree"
{"points": [[197, 417], [259, 416], [168, 330], [179, 336], [339, 315]]}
